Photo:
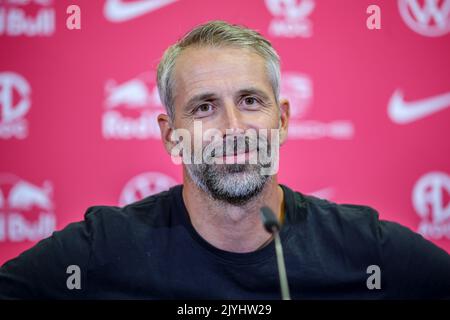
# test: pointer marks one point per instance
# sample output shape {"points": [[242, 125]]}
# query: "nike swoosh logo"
{"points": [[403, 112], [120, 11]]}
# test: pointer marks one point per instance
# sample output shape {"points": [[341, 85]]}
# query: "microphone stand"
{"points": [[272, 226]]}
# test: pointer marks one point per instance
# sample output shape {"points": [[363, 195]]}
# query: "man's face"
{"points": [[226, 89]]}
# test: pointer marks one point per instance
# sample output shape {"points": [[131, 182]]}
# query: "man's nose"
{"points": [[232, 118]]}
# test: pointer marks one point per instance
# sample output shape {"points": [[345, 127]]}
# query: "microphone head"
{"points": [[269, 220]]}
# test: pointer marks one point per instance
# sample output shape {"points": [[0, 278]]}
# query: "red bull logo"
{"points": [[132, 108], [17, 20], [26, 210]]}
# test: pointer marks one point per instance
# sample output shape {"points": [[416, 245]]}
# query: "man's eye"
{"points": [[250, 101], [202, 109]]}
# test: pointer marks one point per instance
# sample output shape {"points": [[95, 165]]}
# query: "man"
{"points": [[204, 239]]}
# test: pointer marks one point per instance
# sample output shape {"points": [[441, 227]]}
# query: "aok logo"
{"points": [[429, 18], [15, 102], [26, 210], [131, 109], [290, 18], [298, 89], [144, 185], [16, 20], [431, 201]]}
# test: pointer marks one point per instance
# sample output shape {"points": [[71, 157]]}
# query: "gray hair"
{"points": [[216, 34]]}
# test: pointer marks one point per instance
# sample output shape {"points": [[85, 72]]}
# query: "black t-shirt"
{"points": [[150, 250]]}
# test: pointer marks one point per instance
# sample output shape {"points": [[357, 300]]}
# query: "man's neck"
{"points": [[229, 227]]}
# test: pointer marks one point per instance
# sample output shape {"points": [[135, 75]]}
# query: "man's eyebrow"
{"points": [[253, 91], [200, 97]]}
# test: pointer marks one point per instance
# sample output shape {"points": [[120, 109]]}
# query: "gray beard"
{"points": [[235, 184]]}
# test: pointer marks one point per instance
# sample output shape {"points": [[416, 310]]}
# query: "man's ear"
{"points": [[165, 126], [284, 119]]}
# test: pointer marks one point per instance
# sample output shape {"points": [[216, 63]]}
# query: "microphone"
{"points": [[272, 226]]}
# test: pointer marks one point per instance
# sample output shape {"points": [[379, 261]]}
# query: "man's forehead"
{"points": [[204, 53], [204, 69]]}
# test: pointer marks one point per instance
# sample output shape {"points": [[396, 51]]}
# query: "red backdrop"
{"points": [[370, 117]]}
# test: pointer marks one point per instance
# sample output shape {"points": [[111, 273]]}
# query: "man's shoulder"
{"points": [[151, 211], [327, 211], [151, 206], [354, 226]]}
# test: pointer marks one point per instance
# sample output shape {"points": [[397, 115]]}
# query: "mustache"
{"points": [[234, 145]]}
